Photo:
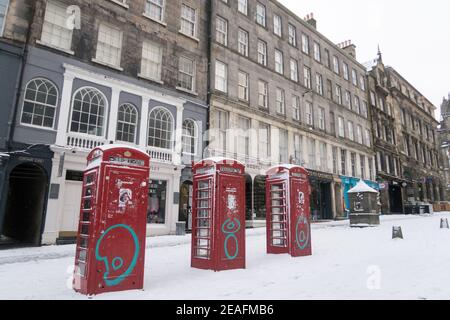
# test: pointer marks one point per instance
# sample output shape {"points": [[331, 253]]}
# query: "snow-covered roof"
{"points": [[117, 145], [221, 160], [362, 187], [286, 166]]}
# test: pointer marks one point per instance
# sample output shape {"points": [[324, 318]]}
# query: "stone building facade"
{"points": [[416, 131], [385, 135], [281, 92], [444, 143], [101, 72]]}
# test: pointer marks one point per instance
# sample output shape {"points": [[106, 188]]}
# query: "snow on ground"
{"points": [[345, 264]]}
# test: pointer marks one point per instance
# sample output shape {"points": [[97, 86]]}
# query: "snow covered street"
{"points": [[346, 264]]}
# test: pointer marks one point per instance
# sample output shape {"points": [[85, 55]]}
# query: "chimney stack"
{"points": [[310, 19], [348, 47]]}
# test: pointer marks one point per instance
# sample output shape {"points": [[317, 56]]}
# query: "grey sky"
{"points": [[414, 36]]}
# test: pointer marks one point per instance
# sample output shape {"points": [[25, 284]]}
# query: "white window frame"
{"points": [[263, 95], [294, 70], [277, 25], [262, 52], [187, 21], [243, 42], [279, 61], [243, 88], [132, 110], [147, 47], [280, 101], [153, 3], [101, 46], [186, 136], [221, 81], [222, 35], [193, 75]]}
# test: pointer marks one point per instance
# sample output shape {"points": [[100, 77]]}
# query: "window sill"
{"points": [[27, 125], [55, 47], [154, 20], [140, 75], [189, 36], [120, 3], [107, 64], [187, 91]]}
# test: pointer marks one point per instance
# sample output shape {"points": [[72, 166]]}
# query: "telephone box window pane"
{"points": [[82, 269], [90, 179], [87, 204], [86, 216], [85, 229], [156, 212], [82, 256], [88, 192], [84, 243]]}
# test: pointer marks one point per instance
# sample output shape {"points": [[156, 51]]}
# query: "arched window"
{"points": [[39, 104], [189, 137], [160, 128], [127, 123], [88, 114]]}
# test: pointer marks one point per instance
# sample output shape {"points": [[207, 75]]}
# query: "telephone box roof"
{"points": [[288, 167], [220, 160]]}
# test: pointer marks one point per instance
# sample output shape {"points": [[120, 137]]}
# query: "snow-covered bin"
{"points": [[363, 206]]}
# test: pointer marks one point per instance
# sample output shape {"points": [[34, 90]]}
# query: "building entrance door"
{"points": [[395, 199]]}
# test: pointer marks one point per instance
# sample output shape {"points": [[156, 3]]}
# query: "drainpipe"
{"points": [[13, 117], [209, 19]]}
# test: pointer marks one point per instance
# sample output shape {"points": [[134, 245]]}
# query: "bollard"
{"points": [[397, 233], [181, 228], [444, 223]]}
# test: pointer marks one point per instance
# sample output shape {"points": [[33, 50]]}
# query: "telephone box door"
{"points": [[120, 249], [301, 218], [277, 217], [231, 222]]}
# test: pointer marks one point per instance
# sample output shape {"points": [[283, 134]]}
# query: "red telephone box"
{"points": [[112, 229], [288, 211], [218, 224]]}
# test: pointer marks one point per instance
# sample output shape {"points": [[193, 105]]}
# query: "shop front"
{"points": [[322, 190]]}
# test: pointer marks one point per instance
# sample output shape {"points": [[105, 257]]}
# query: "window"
{"points": [[154, 9], [3, 9], [305, 44], [264, 141], [329, 89], [307, 77], [292, 38], [88, 112], [348, 99], [364, 109], [309, 116], [327, 59], [243, 42], [334, 151], [243, 139], [332, 124], [157, 200], [151, 65], [296, 108], [243, 6], [321, 118], [359, 134], [353, 163], [261, 14], [362, 83], [283, 142], [312, 153], [351, 134], [339, 95], [354, 78], [367, 138], [39, 105], [357, 105], [341, 127], [160, 128], [298, 149], [343, 162], [109, 45], [345, 69], [262, 52], [222, 31], [277, 26], [294, 70], [127, 118], [323, 157], [373, 99], [279, 61], [221, 77], [281, 103], [317, 55], [189, 137], [336, 64], [188, 21], [222, 124], [54, 29], [243, 86], [362, 160], [263, 94], [371, 169], [319, 84], [186, 74]]}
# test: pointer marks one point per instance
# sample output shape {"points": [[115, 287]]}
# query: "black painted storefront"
{"points": [[321, 195]]}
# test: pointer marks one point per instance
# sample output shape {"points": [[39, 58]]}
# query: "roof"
{"points": [[220, 160], [362, 187]]}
